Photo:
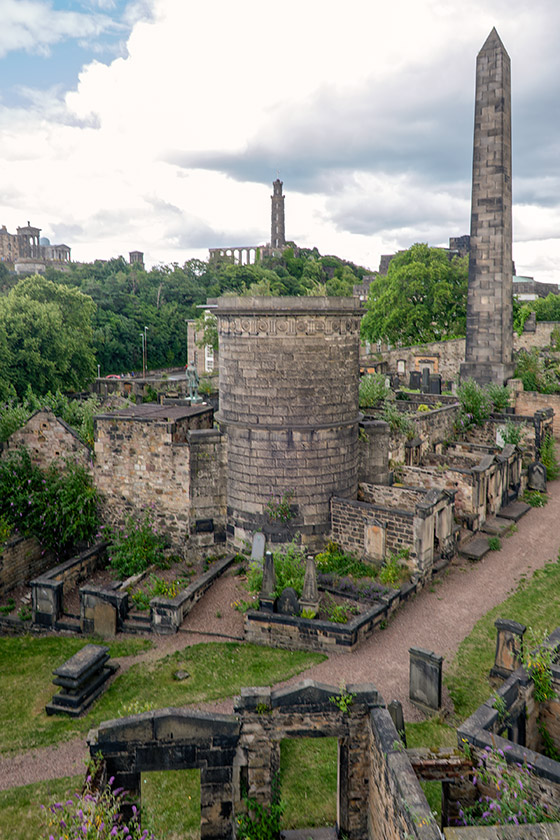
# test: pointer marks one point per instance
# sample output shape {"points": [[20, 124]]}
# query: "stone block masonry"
{"points": [[48, 439], [289, 408], [21, 558], [489, 343]]}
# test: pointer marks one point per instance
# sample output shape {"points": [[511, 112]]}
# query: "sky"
{"points": [[159, 125]]}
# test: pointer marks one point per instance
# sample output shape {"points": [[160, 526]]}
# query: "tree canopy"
{"points": [[422, 298]]}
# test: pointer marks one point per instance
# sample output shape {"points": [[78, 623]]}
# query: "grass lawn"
{"points": [[21, 816], [216, 670], [308, 772]]}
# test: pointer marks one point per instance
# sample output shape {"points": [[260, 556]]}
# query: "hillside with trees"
{"points": [[57, 328]]}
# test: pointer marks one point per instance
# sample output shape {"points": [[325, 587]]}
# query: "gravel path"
{"points": [[437, 619]]}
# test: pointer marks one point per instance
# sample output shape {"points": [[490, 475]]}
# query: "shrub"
{"points": [[499, 396], [549, 458], [92, 815], [261, 822], [59, 506], [494, 543], [534, 372], [393, 569], [535, 498], [136, 545], [513, 432], [373, 390], [476, 404]]}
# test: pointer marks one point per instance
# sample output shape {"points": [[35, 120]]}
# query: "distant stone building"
{"points": [[249, 254], [28, 252], [526, 288], [136, 258]]}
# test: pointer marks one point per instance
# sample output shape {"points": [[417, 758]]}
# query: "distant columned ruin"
{"points": [[28, 253]]}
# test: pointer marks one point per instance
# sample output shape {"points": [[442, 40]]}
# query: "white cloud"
{"points": [[365, 109], [34, 26]]}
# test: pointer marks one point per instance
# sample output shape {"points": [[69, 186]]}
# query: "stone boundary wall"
{"points": [[462, 481], [430, 428], [390, 496], [539, 338], [21, 558], [48, 438], [528, 403], [397, 807]]}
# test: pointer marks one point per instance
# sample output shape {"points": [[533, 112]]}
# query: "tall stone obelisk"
{"points": [[489, 345]]}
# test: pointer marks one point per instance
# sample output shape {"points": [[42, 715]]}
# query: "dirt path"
{"points": [[437, 619]]}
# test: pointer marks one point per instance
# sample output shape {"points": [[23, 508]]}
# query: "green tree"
{"points": [[422, 298], [46, 337]]}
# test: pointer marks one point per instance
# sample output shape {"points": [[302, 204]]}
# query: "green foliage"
{"points": [[514, 797], [373, 390], [549, 747], [337, 562], [494, 543], [549, 458], [500, 396], [45, 337], [538, 656], [475, 402], [58, 506], [92, 814], [536, 373], [136, 545], [8, 607], [77, 413], [422, 298], [338, 613], [393, 569], [281, 509], [343, 700], [535, 498], [397, 420], [6, 529], [261, 822], [207, 327], [513, 433]]}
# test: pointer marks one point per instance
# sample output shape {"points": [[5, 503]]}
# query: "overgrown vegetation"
{"points": [[549, 458], [78, 414], [59, 505], [536, 372], [373, 391], [477, 403], [136, 545]]}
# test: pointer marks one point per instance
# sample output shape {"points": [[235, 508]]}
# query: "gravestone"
{"points": [[288, 603], [395, 382], [268, 585], [435, 383], [395, 709], [425, 386], [415, 380], [257, 548], [310, 595], [536, 477], [509, 647], [105, 620], [425, 679]]}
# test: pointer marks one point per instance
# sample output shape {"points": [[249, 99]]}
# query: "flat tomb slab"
{"points": [[515, 511], [496, 526], [475, 549], [79, 667]]}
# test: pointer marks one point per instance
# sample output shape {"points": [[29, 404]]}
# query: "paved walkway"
{"points": [[437, 619]]}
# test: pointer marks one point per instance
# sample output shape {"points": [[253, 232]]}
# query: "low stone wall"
{"points": [[430, 428], [167, 614], [397, 807], [295, 633], [528, 403], [442, 357], [351, 519], [48, 589], [21, 558]]}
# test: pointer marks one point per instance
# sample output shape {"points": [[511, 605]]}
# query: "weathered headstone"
{"points": [[536, 476], [425, 679], [395, 382], [310, 594], [104, 620], [509, 647], [425, 386], [395, 709], [489, 341], [435, 383], [288, 603], [257, 547], [268, 585], [415, 380]]}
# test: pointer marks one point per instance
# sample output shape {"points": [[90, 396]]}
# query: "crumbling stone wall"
{"points": [[208, 503], [48, 439], [442, 357], [21, 558]]}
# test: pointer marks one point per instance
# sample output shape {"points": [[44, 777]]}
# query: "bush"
{"points": [[92, 814], [476, 404], [534, 372], [499, 396], [373, 390], [548, 457], [58, 506], [513, 433], [136, 545]]}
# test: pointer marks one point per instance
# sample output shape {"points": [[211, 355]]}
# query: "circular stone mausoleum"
{"points": [[289, 407]]}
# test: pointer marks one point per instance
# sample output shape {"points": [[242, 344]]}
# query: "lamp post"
{"points": [[143, 337], [145, 349]]}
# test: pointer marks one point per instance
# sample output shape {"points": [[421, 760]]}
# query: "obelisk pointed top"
{"points": [[492, 42]]}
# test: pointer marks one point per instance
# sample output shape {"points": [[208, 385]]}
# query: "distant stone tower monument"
{"points": [[277, 228], [489, 344], [289, 409]]}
